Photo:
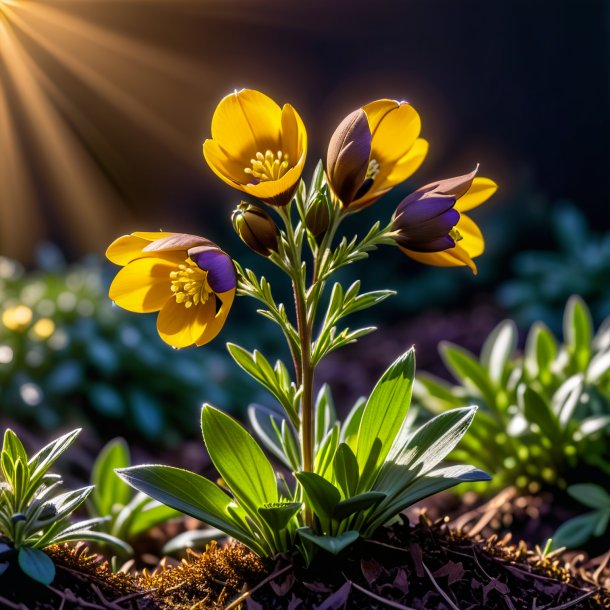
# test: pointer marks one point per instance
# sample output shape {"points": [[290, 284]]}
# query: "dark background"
{"points": [[520, 87]]}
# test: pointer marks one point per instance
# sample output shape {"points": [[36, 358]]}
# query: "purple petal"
{"points": [[218, 264], [435, 245], [416, 209]]}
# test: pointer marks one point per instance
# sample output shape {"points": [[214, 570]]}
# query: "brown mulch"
{"points": [[431, 567], [424, 567]]}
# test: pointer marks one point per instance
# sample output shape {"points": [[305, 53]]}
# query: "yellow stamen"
{"points": [[373, 170], [190, 284], [455, 235], [268, 166]]}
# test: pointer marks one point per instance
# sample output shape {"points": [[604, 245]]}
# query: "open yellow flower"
{"points": [[188, 279], [457, 242], [257, 147], [373, 149]]}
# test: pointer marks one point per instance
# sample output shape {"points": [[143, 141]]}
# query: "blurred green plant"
{"points": [[541, 413], [127, 515], [577, 531], [33, 515], [68, 355], [544, 280]]}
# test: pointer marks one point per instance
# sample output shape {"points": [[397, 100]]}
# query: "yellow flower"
{"points": [[257, 147], [373, 149], [188, 279], [468, 193]]}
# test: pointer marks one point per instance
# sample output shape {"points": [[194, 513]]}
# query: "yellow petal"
{"points": [[480, 191], [245, 122], [129, 247], [454, 257], [293, 137], [181, 327], [143, 285], [408, 165], [227, 168], [394, 128], [472, 239], [277, 192], [214, 326]]}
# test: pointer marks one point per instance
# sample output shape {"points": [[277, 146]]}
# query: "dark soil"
{"points": [[433, 567], [425, 567]]}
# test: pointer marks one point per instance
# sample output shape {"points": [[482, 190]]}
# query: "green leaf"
{"points": [[346, 472], [150, 515], [326, 452], [101, 537], [278, 515], [191, 539], [469, 372], [289, 445], [538, 411], [540, 350], [14, 447], [593, 425], [435, 393], [191, 494], [322, 495], [591, 495], [331, 544], [578, 331], [425, 449], [239, 460], [266, 422], [325, 413], [386, 409], [40, 463], [598, 367], [602, 524], [349, 430], [422, 487], [575, 532], [355, 504], [498, 349], [109, 489], [36, 564], [566, 399]]}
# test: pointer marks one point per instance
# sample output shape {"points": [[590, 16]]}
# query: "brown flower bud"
{"points": [[347, 160], [317, 217], [255, 228]]}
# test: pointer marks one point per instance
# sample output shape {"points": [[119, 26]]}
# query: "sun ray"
{"points": [[87, 204]]}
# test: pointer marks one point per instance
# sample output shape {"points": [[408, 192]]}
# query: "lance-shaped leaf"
{"points": [[322, 495], [386, 409], [239, 460], [191, 494]]}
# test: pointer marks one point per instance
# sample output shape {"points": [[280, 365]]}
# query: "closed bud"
{"points": [[347, 160], [317, 217], [255, 228]]}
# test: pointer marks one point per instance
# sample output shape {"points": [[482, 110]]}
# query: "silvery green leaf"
{"points": [[591, 495], [325, 412], [191, 494], [498, 349], [575, 532], [566, 399], [261, 419], [540, 350], [37, 565], [109, 490], [598, 367], [578, 331], [191, 539]]}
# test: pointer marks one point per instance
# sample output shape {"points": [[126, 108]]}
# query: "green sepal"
{"points": [[330, 544], [277, 516]]}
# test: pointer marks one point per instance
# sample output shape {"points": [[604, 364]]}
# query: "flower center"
{"points": [[190, 284], [455, 235], [373, 170], [268, 166]]}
